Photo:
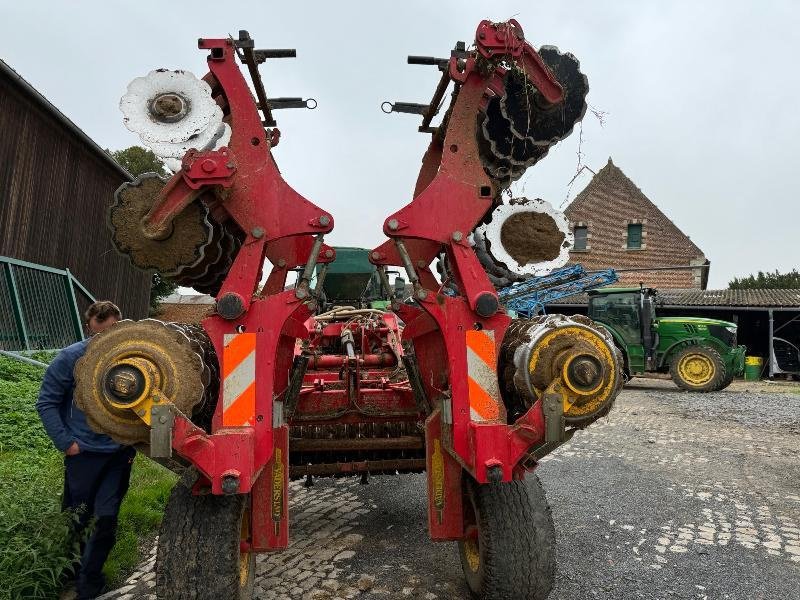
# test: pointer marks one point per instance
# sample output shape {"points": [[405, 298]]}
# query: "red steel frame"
{"points": [[280, 225], [452, 195], [326, 393]]}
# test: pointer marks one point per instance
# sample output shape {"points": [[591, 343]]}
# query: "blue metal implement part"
{"points": [[529, 297]]}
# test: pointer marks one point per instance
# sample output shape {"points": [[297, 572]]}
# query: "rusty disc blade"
{"points": [[182, 248], [530, 116]]}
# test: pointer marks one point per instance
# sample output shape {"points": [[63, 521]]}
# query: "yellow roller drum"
{"points": [[132, 365]]}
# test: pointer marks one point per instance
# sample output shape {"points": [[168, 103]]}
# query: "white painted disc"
{"points": [[209, 139], [491, 233], [172, 154], [198, 110]]}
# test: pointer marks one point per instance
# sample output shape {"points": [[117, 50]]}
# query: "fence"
{"points": [[40, 307]]}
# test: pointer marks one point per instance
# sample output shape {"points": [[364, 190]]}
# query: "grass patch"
{"points": [[36, 548], [139, 517]]}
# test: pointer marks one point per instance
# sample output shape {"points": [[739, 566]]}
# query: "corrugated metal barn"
{"points": [[55, 187]]}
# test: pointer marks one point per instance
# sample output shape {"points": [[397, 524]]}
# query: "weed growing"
{"points": [[37, 549]]}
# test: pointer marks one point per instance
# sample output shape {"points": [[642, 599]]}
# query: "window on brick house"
{"points": [[634, 235], [581, 237]]}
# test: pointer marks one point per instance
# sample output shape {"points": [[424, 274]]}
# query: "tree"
{"points": [[137, 161], [160, 289], [776, 280]]}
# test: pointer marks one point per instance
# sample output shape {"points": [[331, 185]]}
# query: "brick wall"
{"points": [[606, 207]]}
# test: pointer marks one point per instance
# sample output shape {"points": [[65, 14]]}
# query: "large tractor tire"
{"points": [[199, 554], [699, 369], [726, 382], [509, 552]]}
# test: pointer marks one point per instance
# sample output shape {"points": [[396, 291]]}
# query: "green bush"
{"points": [[20, 427], [15, 370], [36, 546]]}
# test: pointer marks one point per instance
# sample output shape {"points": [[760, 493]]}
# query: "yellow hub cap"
{"points": [[696, 369], [472, 554]]}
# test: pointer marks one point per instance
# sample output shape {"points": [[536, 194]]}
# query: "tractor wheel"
{"points": [[199, 552], [698, 369], [725, 382], [509, 552]]}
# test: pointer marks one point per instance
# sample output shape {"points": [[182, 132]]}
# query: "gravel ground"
{"points": [[673, 495]]}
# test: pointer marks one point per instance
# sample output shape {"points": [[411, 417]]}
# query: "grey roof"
{"points": [[764, 298]]}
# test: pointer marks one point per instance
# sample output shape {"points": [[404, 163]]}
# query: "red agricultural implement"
{"points": [[314, 380]]}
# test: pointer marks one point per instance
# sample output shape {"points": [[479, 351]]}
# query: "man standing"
{"points": [[96, 469]]}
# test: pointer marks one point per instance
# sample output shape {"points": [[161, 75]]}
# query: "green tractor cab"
{"points": [[351, 280], [701, 355]]}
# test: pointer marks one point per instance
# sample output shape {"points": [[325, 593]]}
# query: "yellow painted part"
{"points": [[472, 554], [565, 378], [568, 399], [570, 395], [696, 369], [437, 474], [755, 361], [150, 393], [141, 406], [244, 557], [277, 485]]}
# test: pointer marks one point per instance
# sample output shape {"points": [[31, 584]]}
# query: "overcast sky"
{"points": [[701, 98]]}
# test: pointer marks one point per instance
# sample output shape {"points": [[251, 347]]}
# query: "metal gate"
{"points": [[40, 307]]}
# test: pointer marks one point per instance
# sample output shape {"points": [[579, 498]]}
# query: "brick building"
{"points": [[617, 226]]}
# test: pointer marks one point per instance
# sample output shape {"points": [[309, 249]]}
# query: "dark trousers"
{"points": [[94, 485]]}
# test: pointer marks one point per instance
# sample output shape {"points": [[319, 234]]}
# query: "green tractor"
{"points": [[701, 355], [354, 281]]}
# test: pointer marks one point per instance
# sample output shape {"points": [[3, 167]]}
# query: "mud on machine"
{"points": [[283, 383]]}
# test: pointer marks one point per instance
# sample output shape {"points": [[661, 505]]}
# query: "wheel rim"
{"points": [[244, 550], [696, 368], [472, 552]]}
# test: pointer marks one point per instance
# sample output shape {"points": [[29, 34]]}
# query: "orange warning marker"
{"points": [[484, 391], [239, 379]]}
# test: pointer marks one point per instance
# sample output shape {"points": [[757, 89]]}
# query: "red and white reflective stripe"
{"points": [[484, 391], [239, 379]]}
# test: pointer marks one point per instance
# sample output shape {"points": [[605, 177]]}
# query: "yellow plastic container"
{"points": [[752, 367]]}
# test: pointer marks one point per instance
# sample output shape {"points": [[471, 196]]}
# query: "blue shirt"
{"points": [[63, 421]]}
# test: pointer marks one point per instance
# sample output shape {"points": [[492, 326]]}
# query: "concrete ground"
{"points": [[673, 495]]}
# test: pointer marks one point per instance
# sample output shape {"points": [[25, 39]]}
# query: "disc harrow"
{"points": [[339, 376], [116, 378], [523, 238], [173, 112], [183, 247], [198, 252], [518, 128]]}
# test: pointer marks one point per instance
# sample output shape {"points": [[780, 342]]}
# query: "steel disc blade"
{"points": [[231, 246], [171, 352], [530, 117], [169, 107], [191, 229], [211, 254], [209, 138]]}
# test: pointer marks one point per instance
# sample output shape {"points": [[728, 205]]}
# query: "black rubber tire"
{"points": [[726, 382], [198, 555], [516, 541], [718, 378]]}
